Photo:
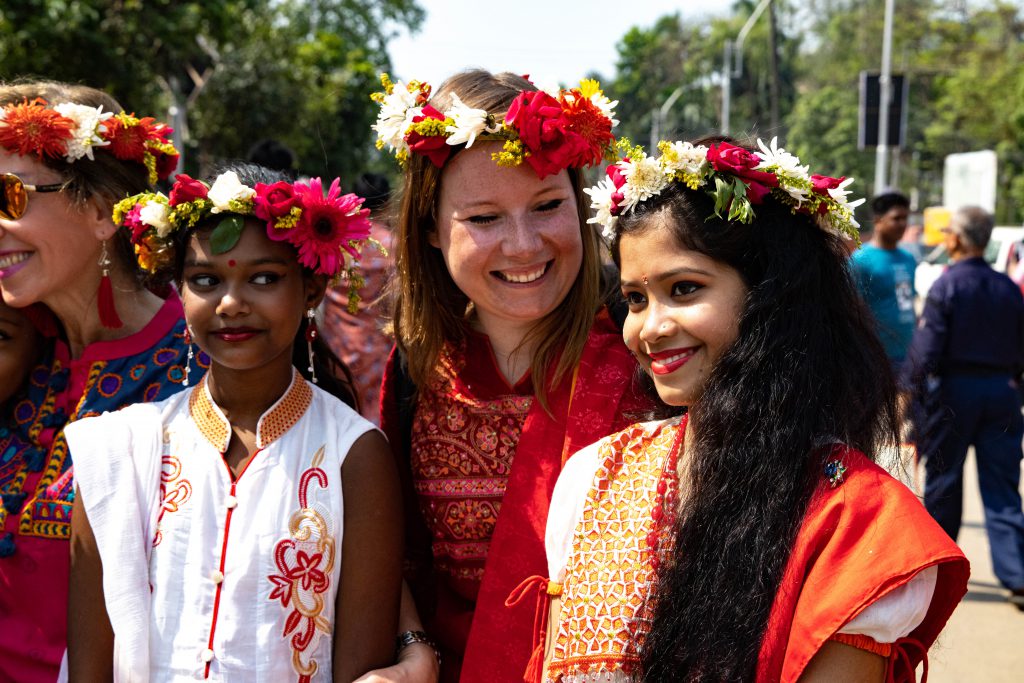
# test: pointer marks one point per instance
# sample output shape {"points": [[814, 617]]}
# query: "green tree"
{"points": [[296, 70]]}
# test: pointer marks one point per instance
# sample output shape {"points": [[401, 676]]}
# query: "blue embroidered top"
{"points": [[36, 476]]}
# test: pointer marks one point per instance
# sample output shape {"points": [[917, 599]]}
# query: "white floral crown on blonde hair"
{"points": [[736, 178], [569, 128]]}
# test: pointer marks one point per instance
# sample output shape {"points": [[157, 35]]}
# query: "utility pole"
{"points": [[884, 94], [729, 71], [773, 62]]}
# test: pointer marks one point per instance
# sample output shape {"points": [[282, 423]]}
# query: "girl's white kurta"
{"points": [[207, 576]]}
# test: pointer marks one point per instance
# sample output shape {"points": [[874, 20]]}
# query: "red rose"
{"points": [[569, 132], [273, 201], [822, 184], [434, 147], [740, 163], [186, 189]]}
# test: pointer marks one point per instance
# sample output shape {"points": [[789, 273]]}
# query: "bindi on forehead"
{"points": [[231, 263]]}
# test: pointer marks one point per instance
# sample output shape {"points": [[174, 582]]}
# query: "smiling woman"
{"points": [[506, 359], [67, 154], [751, 537]]}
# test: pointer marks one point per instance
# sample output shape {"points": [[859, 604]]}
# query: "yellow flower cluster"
{"points": [[512, 153]]}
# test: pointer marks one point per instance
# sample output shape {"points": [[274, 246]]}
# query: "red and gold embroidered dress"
{"points": [[478, 466]]}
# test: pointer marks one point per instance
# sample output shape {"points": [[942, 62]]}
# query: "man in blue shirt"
{"points": [[885, 275], [963, 367]]}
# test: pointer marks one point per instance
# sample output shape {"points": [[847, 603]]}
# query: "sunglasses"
{"points": [[14, 198]]}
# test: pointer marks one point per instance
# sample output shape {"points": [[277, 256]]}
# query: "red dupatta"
{"points": [[586, 407], [859, 541]]}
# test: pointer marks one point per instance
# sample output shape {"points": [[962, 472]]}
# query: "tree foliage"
{"points": [[243, 70], [964, 63]]}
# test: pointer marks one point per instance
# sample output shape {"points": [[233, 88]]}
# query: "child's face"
{"points": [[244, 306], [684, 310], [17, 350]]}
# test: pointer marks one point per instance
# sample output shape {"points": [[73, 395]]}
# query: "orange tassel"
{"points": [[105, 302], [535, 667]]}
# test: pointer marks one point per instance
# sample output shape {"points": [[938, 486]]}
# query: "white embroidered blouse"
{"points": [[207, 576]]}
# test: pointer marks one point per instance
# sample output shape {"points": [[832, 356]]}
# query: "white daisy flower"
{"points": [[227, 188], [840, 194], [396, 114], [468, 124], [644, 178], [783, 161], [156, 214], [88, 126], [601, 202], [684, 157]]}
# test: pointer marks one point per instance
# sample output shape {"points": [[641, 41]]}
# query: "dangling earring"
{"points": [[191, 354], [311, 333], [105, 294]]}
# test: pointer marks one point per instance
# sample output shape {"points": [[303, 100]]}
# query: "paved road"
{"points": [[984, 640]]}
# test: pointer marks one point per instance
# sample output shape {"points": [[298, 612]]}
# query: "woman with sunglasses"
{"points": [[67, 155]]}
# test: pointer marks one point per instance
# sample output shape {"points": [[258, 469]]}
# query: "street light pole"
{"points": [[729, 71], [884, 94]]}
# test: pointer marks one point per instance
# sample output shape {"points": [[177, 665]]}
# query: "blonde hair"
{"points": [[428, 308], [105, 178]]}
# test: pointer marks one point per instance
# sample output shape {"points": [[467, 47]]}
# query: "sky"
{"points": [[553, 41]]}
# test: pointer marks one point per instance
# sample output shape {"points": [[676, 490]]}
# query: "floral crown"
{"points": [[569, 128], [736, 178], [328, 230], [71, 131]]}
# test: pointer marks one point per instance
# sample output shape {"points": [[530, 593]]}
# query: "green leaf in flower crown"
{"points": [[740, 207], [722, 194], [226, 235]]}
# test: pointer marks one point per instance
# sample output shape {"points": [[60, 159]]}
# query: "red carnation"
{"points": [[434, 147], [32, 127], [741, 163], [186, 189]]}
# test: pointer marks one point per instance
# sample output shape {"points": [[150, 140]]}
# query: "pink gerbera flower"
{"points": [[327, 225]]}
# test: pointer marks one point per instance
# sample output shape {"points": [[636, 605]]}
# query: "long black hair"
{"points": [[332, 375], [807, 370]]}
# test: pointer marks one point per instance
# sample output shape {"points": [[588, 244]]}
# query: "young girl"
{"points": [[751, 536], [247, 528]]}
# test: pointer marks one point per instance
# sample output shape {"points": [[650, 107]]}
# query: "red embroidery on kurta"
{"points": [[304, 561], [174, 491]]}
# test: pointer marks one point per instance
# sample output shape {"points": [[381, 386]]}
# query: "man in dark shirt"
{"points": [[962, 366]]}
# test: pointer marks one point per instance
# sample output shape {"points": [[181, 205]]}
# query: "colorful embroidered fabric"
{"points": [[609, 575], [462, 450], [36, 476], [244, 582], [860, 541], [512, 451]]}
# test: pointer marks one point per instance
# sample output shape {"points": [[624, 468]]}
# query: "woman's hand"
{"points": [[417, 663]]}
